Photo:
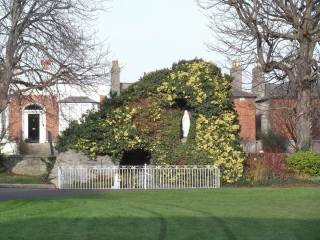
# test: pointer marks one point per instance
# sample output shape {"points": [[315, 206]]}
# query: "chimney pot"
{"points": [[115, 77], [236, 74]]}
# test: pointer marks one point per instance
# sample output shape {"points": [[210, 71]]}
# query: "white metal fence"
{"points": [[139, 177]]}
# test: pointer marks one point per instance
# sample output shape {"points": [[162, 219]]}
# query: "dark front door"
{"points": [[33, 127]]}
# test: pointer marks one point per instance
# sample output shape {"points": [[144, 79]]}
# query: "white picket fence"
{"points": [[139, 177]]}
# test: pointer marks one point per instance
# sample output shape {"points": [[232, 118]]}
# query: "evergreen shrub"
{"points": [[305, 162]]}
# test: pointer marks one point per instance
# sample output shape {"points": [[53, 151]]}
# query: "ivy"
{"points": [[148, 116]]}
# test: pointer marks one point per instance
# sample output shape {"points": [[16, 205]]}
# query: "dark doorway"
{"points": [[33, 127], [135, 157]]}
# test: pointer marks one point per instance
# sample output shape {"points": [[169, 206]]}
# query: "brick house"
{"points": [[36, 118], [275, 106], [245, 106]]}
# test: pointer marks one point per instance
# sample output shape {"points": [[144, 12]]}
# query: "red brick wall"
{"points": [[246, 109], [16, 107], [283, 117]]}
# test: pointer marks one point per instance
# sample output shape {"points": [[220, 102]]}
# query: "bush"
{"points": [[266, 168], [273, 142], [305, 162]]}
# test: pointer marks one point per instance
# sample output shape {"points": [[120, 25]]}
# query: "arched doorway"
{"points": [[34, 124]]}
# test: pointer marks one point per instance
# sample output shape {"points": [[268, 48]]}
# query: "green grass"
{"points": [[9, 178], [231, 213]]}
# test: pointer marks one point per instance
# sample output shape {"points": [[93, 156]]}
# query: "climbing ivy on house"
{"points": [[148, 116]]}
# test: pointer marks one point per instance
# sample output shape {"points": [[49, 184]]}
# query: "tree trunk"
{"points": [[4, 98], [303, 124]]}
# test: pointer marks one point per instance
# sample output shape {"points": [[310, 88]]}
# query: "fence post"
{"points": [[218, 178], [145, 176], [59, 177]]}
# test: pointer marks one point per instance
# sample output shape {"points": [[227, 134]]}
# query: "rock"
{"points": [[105, 161], [25, 165], [73, 158]]}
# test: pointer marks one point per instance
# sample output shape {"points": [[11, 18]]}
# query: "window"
{"points": [[258, 127], [33, 107]]}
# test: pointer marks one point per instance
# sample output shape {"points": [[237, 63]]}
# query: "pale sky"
{"points": [[145, 35]]}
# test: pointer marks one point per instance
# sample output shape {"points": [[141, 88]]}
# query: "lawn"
{"points": [[230, 213], [19, 179]]}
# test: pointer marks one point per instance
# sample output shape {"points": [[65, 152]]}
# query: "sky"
{"points": [[146, 35]]}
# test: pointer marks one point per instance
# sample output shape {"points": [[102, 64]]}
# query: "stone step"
{"points": [[35, 149]]}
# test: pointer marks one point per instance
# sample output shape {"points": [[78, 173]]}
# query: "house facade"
{"points": [[40, 117], [276, 103]]}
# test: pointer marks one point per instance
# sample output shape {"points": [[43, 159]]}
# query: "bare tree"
{"points": [[46, 42], [282, 35]]}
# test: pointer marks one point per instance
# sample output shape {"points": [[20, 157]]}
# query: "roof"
{"points": [[285, 90], [77, 99], [237, 93]]}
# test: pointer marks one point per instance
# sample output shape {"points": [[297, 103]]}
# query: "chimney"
{"points": [[115, 77], [258, 81], [236, 74]]}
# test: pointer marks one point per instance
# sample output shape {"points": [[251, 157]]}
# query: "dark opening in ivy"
{"points": [[181, 103], [135, 157]]}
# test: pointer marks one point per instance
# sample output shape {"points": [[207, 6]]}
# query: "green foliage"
{"points": [[49, 161], [273, 142], [305, 162], [148, 116]]}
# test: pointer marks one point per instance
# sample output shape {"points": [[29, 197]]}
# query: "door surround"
{"points": [[34, 109]]}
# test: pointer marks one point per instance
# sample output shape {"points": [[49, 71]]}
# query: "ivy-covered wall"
{"points": [[148, 116]]}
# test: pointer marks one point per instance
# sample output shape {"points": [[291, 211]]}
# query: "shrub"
{"points": [[266, 168], [305, 162], [273, 142]]}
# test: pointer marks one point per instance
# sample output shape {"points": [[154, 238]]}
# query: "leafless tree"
{"points": [[282, 35], [46, 42]]}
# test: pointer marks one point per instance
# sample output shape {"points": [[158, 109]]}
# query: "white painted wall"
{"points": [[4, 120], [6, 147], [73, 112], [63, 91]]}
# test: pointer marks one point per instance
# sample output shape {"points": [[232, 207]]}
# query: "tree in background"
{"points": [[282, 36], [47, 42]]}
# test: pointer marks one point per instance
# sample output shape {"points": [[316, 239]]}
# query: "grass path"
{"points": [[256, 213]]}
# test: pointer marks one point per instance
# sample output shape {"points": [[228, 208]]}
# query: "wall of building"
{"points": [[16, 107], [283, 117], [73, 112], [263, 115], [246, 110]]}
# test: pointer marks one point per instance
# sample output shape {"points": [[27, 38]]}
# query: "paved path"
{"points": [[18, 193]]}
